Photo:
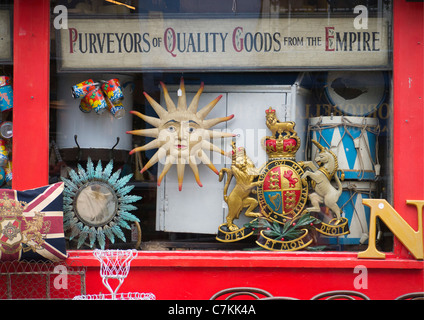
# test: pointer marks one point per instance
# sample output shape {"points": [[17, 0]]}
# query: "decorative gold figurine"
{"points": [[321, 176], [282, 194], [181, 134], [243, 169], [275, 125], [284, 142], [283, 223]]}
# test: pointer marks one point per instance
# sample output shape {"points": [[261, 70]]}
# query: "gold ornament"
{"points": [[284, 142], [243, 169], [276, 126], [412, 239], [181, 134], [282, 223]]}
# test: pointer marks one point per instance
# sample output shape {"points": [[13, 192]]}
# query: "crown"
{"points": [[11, 207], [282, 147], [284, 141]]}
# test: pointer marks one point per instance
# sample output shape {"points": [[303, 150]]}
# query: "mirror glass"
{"points": [[96, 203]]}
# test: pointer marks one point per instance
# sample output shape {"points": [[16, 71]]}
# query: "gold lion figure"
{"points": [[276, 126], [243, 169], [32, 234]]}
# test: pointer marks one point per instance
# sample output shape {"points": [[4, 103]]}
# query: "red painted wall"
{"points": [[201, 284], [408, 109], [31, 65], [301, 275]]}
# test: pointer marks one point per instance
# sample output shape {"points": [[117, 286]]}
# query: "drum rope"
{"points": [[319, 127], [353, 191]]}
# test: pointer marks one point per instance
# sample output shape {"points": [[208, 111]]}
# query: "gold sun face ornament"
{"points": [[181, 134]]}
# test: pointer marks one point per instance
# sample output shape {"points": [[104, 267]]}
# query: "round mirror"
{"points": [[96, 203]]}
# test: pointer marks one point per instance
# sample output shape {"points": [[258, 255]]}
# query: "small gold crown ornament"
{"points": [[11, 207], [284, 141]]}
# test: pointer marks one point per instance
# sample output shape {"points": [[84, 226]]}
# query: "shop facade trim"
{"points": [[31, 52], [226, 259]]}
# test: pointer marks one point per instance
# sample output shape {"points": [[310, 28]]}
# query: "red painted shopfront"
{"points": [[199, 274]]}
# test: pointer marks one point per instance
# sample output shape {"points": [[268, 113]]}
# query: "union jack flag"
{"points": [[31, 224]]}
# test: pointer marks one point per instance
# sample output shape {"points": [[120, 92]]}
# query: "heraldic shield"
{"points": [[10, 234], [282, 195]]}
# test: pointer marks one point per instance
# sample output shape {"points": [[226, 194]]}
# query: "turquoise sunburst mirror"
{"points": [[97, 204]]}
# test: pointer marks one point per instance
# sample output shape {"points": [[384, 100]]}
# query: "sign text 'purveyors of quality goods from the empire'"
{"points": [[221, 43]]}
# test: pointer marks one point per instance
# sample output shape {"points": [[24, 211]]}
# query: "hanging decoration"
{"points": [[181, 133], [6, 93], [97, 204], [100, 96]]}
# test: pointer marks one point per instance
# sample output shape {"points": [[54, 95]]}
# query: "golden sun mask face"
{"points": [[181, 134]]}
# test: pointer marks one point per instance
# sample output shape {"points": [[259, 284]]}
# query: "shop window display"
{"points": [[260, 134]]}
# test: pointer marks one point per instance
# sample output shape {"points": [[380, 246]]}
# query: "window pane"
{"points": [[190, 71]]}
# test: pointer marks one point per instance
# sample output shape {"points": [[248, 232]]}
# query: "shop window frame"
{"points": [[31, 116]]}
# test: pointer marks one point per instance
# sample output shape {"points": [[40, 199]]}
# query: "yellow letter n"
{"points": [[411, 239]]}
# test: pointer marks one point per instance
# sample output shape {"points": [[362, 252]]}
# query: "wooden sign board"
{"points": [[222, 44]]}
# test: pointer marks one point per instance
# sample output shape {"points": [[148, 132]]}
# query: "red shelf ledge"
{"points": [[241, 259]]}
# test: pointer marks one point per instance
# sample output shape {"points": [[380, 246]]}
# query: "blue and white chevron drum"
{"points": [[358, 215], [354, 140]]}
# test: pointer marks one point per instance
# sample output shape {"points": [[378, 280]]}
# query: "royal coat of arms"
{"points": [[283, 221], [31, 224], [18, 232]]}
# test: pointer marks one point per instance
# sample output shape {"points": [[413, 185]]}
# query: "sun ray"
{"points": [[205, 159], [170, 105], [212, 122], [160, 111], [217, 134], [182, 100], [160, 154], [168, 164], [154, 144], [206, 145], [193, 165], [180, 174], [195, 102], [150, 120], [154, 132], [208, 108]]}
